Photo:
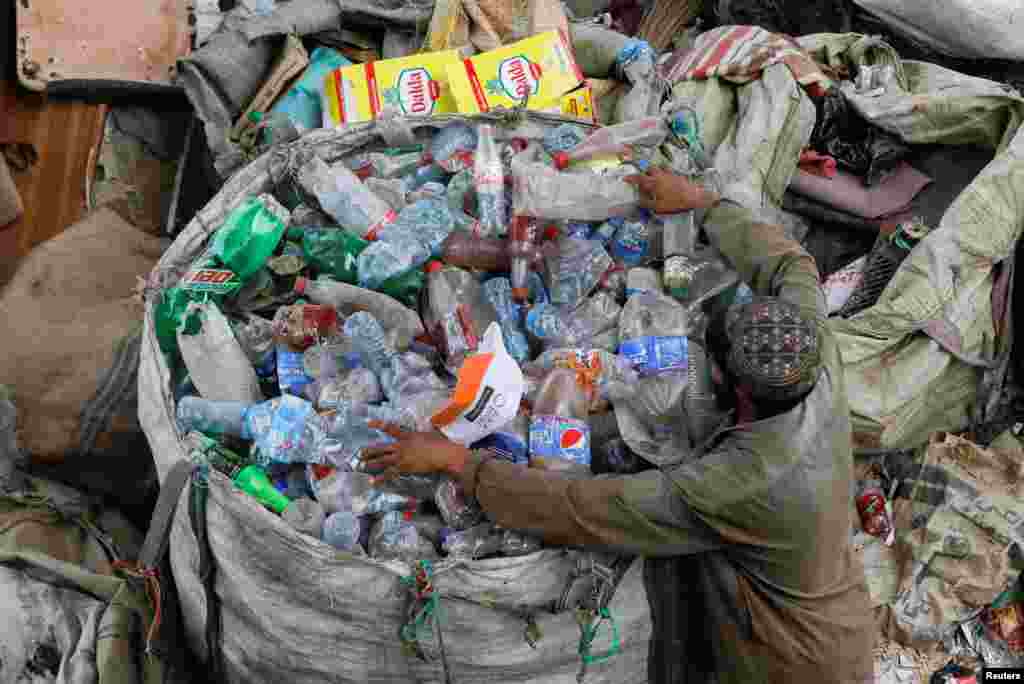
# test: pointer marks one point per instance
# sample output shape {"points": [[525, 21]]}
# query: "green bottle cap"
{"points": [[255, 482]]}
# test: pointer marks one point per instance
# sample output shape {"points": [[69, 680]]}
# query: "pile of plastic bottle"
{"points": [[361, 295]]}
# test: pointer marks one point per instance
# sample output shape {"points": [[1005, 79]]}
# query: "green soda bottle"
{"points": [[255, 482], [219, 457], [333, 252], [405, 287], [250, 235]]}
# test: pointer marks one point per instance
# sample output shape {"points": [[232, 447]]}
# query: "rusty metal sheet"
{"points": [[135, 41]]}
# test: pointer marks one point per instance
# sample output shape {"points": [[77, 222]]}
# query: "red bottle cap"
{"points": [[551, 232], [561, 160], [434, 266], [300, 285]]}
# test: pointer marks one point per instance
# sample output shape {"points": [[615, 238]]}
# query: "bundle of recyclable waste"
{"points": [[505, 290]]}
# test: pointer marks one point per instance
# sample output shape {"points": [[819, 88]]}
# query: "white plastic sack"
{"points": [[973, 29], [218, 366], [295, 610]]}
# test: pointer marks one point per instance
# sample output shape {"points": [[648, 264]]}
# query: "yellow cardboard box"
{"points": [[411, 86], [542, 68], [579, 104]]}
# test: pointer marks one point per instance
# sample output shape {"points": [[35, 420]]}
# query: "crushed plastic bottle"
{"points": [[452, 148], [498, 291], [631, 244], [575, 269], [559, 432], [342, 530], [395, 536], [457, 510], [369, 341], [357, 386], [560, 327], [654, 329], [459, 312], [342, 195], [255, 335], [250, 234], [614, 140], [387, 259], [561, 139], [333, 252]]}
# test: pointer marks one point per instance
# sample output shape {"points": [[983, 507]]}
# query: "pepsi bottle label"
{"points": [[560, 437], [655, 354]]}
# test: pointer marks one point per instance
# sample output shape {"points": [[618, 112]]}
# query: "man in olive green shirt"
{"points": [[761, 519]]}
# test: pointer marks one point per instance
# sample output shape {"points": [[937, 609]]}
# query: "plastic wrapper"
{"points": [[875, 515], [575, 269], [458, 511], [544, 192], [394, 536], [601, 373], [219, 367]]}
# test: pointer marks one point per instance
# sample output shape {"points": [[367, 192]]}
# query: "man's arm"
{"points": [[771, 263], [641, 514]]}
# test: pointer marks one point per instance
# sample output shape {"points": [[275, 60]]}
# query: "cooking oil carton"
{"points": [[539, 69], [409, 86]]}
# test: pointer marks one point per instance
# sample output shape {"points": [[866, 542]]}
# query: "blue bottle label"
{"points": [[291, 371], [655, 354], [560, 437], [268, 367], [505, 445]]}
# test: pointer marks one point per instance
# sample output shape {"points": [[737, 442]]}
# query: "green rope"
{"points": [[588, 632], [421, 583]]}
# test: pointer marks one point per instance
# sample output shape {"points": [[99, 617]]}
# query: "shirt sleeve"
{"points": [[641, 514], [768, 261]]}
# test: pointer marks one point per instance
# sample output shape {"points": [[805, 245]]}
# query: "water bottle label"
{"points": [[655, 354], [630, 246], [630, 291], [560, 437], [291, 371], [505, 445]]}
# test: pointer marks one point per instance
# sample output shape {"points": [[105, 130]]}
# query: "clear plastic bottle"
{"points": [[654, 329], [369, 341], [522, 252], [357, 386], [559, 432], [575, 268], [453, 146], [459, 311], [395, 536], [457, 510], [560, 327], [498, 291], [285, 429], [256, 337], [331, 486], [342, 530], [632, 242], [344, 197], [489, 178], [648, 132]]}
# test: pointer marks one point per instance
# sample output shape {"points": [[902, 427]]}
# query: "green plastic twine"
{"points": [[588, 632], [421, 582]]}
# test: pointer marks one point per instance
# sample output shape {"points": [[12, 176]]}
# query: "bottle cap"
{"points": [[551, 232], [561, 160], [300, 285], [520, 294], [434, 266]]}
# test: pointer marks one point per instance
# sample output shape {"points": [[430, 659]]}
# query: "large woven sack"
{"points": [[293, 609], [71, 327]]}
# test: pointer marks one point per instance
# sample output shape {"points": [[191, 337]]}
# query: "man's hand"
{"points": [[666, 193], [413, 453]]}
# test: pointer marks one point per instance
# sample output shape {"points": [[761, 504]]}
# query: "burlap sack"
{"points": [[69, 322]]}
